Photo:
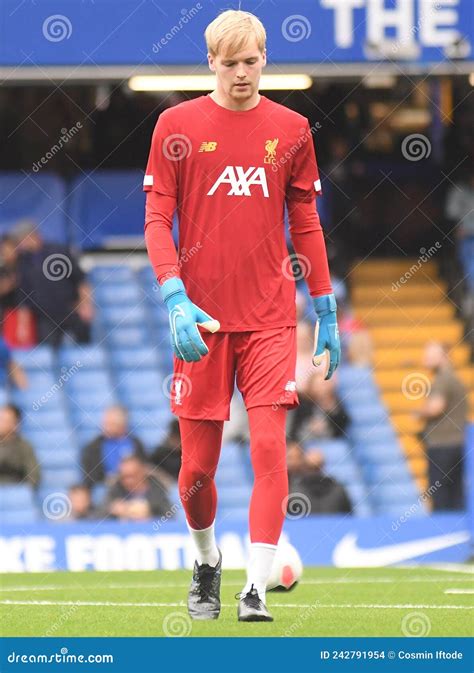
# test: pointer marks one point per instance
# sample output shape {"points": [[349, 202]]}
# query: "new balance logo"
{"points": [[208, 146], [290, 386], [241, 180]]}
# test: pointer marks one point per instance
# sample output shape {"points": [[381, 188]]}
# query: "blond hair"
{"points": [[230, 32]]}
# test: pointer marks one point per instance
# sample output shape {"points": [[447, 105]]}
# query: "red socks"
{"points": [[201, 444]]}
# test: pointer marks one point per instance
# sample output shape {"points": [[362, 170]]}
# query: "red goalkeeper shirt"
{"points": [[229, 174]]}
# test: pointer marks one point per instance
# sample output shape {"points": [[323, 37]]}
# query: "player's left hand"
{"points": [[327, 333]]}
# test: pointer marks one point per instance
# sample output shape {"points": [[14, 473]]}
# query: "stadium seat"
{"points": [[17, 505], [84, 357], [111, 274], [118, 294], [135, 358], [53, 459], [108, 206], [119, 316], [37, 358], [128, 337], [39, 197], [60, 479]]}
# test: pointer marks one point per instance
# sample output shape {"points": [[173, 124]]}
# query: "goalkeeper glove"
{"points": [[326, 332], [186, 340]]}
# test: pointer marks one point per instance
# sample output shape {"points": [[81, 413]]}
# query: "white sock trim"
{"points": [[204, 540]]}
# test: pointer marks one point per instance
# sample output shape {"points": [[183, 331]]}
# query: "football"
{"points": [[287, 569]]}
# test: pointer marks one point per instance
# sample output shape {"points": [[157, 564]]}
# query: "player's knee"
{"points": [[268, 457]]}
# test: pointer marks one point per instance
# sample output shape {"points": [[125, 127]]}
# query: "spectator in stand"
{"points": [[166, 458], [320, 412], [308, 481], [445, 412], [136, 495], [82, 508], [18, 322], [356, 341], [18, 462], [460, 211], [8, 273], [10, 370], [101, 457], [53, 285]]}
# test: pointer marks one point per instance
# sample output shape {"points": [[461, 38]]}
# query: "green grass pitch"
{"points": [[328, 602]]}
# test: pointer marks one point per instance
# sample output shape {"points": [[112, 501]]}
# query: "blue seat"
{"points": [[387, 472], [53, 440], [45, 419], [128, 337], [135, 358], [345, 473], [108, 205], [118, 294], [378, 453], [235, 496], [61, 479], [32, 399], [64, 458], [335, 450], [16, 497], [82, 357], [129, 316], [19, 517], [151, 436], [111, 274], [352, 377], [37, 358], [40, 197], [388, 494], [373, 435], [92, 400], [89, 380]]}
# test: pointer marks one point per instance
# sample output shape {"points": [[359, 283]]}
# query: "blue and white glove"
{"points": [[184, 317], [327, 333]]}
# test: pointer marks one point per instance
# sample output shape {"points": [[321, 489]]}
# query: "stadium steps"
{"points": [[403, 303]]}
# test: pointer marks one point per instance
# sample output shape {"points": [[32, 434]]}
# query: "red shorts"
{"points": [[263, 362]]}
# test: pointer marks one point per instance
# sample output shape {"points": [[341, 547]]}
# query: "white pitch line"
{"points": [[349, 606], [459, 591], [181, 585]]}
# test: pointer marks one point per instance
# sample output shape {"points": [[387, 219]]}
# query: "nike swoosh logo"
{"points": [[348, 554]]}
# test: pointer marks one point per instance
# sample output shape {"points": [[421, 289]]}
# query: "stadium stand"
{"points": [[402, 318]]}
